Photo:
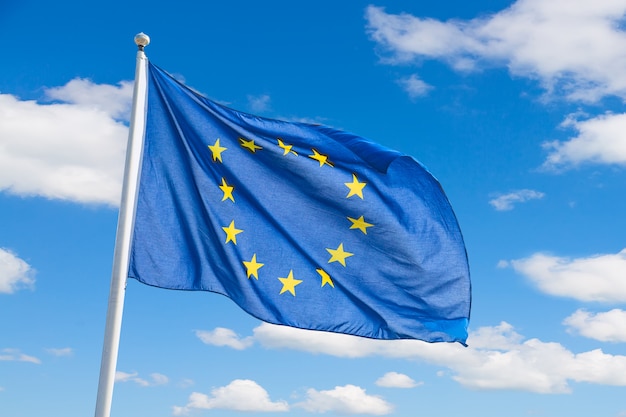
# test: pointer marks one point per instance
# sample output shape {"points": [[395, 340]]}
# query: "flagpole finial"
{"points": [[142, 40]]}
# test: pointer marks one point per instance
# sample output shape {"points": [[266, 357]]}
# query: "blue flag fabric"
{"points": [[299, 224]]}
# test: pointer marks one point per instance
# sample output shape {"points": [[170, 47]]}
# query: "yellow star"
{"points": [[286, 148], [360, 224], [289, 283], [326, 279], [217, 150], [356, 187], [249, 145], [339, 255], [322, 159], [228, 191], [231, 232], [252, 267]]}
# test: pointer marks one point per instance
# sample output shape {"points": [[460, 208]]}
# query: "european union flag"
{"points": [[299, 224]]}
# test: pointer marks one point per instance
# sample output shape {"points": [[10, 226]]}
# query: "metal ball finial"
{"points": [[142, 40]]}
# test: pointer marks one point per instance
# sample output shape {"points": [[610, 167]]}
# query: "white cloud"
{"points": [[541, 367], [15, 273], [335, 344], [307, 120], [14, 355], [70, 151], [155, 379], [114, 101], [609, 326], [159, 379], [502, 264], [600, 140], [348, 399], [224, 337], [60, 351], [505, 202], [259, 104], [239, 395], [574, 47], [396, 380], [130, 377], [497, 357], [186, 383], [415, 86], [500, 337], [595, 278]]}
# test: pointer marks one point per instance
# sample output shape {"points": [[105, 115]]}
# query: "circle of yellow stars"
{"points": [[338, 254]]}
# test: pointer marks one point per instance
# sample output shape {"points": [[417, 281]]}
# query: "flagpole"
{"points": [[125, 221]]}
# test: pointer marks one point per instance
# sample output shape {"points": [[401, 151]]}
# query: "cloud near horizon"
{"points": [[506, 202], [245, 395], [239, 395], [497, 357], [345, 400]]}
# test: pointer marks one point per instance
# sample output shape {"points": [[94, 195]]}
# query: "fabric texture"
{"points": [[299, 224]]}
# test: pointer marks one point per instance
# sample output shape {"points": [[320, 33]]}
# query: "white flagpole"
{"points": [[124, 233]]}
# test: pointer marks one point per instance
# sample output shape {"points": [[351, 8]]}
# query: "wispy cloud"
{"points": [[245, 395], [259, 104], [155, 379], [15, 273], [14, 355], [60, 351], [415, 86], [506, 202]]}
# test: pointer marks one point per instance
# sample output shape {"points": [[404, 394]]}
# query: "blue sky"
{"points": [[516, 108]]}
